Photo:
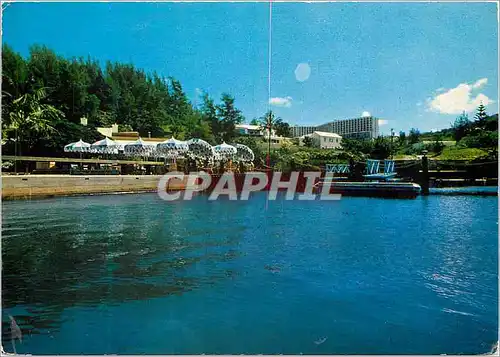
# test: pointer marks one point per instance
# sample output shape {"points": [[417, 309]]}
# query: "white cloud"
{"points": [[460, 98], [281, 102], [479, 83], [383, 122], [366, 114]]}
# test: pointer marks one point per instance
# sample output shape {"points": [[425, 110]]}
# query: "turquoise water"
{"points": [[467, 190], [131, 274]]}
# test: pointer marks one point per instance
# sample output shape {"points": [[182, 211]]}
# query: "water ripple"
{"points": [[201, 274]]}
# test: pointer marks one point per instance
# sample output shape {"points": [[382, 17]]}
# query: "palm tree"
{"points": [[268, 121], [29, 119]]}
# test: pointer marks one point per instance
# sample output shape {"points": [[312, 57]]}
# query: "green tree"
{"points": [[113, 93], [66, 132], [253, 144], [481, 115], [30, 120], [492, 123], [461, 127], [414, 136], [308, 142], [437, 146], [268, 120], [381, 148], [229, 116], [358, 147], [402, 138], [198, 127], [179, 106], [125, 128], [14, 74], [209, 113], [480, 139], [271, 121], [282, 128]]}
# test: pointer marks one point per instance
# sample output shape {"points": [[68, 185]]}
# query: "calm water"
{"points": [[131, 274]]}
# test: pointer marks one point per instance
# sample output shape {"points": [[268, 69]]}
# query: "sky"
{"points": [[413, 65]]}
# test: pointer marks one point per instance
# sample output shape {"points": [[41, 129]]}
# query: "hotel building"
{"points": [[363, 127]]}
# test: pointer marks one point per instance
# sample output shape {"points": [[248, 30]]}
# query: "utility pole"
{"points": [[392, 140], [15, 154], [269, 119], [424, 178]]}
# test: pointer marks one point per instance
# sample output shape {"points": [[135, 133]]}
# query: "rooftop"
{"points": [[128, 139], [331, 121], [248, 126], [324, 133]]}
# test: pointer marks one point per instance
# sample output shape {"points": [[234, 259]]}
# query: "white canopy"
{"points": [[225, 151], [139, 147], [200, 148], [244, 153], [79, 146], [172, 148], [105, 146]]}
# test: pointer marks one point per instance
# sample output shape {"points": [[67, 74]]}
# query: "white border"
{"points": [[264, 1]]}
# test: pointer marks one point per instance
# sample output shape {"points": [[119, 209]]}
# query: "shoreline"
{"points": [[26, 187], [48, 186], [49, 196]]}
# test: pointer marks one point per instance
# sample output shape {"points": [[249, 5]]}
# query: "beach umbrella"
{"points": [[200, 148], [172, 148], [79, 146], [105, 146], [139, 147], [244, 153], [225, 151]]}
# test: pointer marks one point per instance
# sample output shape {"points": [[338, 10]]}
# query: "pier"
{"points": [[372, 189]]}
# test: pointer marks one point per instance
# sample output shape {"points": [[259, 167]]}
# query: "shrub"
{"points": [[458, 153], [480, 139]]}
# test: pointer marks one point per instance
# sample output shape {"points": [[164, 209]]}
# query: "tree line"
{"points": [[44, 97], [479, 133]]}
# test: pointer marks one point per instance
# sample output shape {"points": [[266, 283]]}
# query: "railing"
{"points": [[51, 171], [78, 160], [94, 172]]}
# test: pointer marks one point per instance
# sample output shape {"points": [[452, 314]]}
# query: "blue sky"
{"points": [[410, 64]]}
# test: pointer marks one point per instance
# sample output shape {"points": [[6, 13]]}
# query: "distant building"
{"points": [[250, 130], [299, 131], [126, 137], [253, 130], [324, 140], [363, 127]]}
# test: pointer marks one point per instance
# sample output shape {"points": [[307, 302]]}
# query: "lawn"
{"points": [[458, 153]]}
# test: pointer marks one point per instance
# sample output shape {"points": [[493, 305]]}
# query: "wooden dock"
{"points": [[372, 189]]}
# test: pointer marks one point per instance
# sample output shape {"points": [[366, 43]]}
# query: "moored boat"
{"points": [[373, 189]]}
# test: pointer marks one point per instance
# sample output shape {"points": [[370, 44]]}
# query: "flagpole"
{"points": [[269, 175]]}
